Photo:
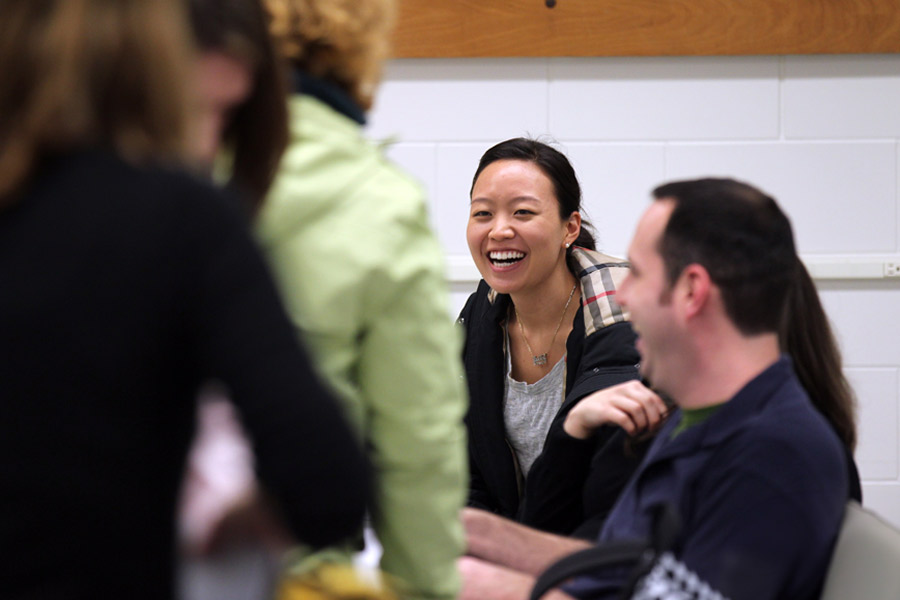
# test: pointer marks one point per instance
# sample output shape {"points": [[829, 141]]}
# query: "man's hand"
{"points": [[503, 542]]}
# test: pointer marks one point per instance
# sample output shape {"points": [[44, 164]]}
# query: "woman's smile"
{"points": [[515, 232], [505, 260]]}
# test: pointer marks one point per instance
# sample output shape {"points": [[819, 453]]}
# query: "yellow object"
{"points": [[331, 582]]}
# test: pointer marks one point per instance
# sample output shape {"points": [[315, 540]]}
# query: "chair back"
{"points": [[866, 558]]}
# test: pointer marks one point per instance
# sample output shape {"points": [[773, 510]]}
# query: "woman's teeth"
{"points": [[505, 259]]}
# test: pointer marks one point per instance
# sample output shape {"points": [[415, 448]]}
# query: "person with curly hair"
{"points": [[363, 276]]}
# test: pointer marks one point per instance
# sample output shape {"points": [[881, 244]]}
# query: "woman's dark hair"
{"points": [[558, 170], [806, 336], [257, 133]]}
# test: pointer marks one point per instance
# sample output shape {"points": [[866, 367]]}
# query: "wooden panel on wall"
{"points": [[467, 28]]}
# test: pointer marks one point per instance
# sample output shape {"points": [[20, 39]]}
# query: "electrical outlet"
{"points": [[892, 269]]}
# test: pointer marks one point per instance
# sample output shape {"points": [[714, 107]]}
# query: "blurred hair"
{"points": [[79, 73], [257, 132], [344, 42], [558, 170]]}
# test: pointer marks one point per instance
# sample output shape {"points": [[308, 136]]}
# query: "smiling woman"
{"points": [[543, 332], [516, 233]]}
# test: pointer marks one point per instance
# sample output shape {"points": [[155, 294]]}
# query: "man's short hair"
{"points": [[743, 240]]}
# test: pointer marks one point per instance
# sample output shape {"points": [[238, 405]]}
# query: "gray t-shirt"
{"points": [[528, 410]]}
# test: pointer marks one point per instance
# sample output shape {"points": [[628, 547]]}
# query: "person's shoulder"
{"points": [[322, 132], [790, 413], [788, 440], [400, 197], [330, 172], [599, 273], [201, 208], [388, 214], [600, 276], [477, 302], [129, 186], [594, 260]]}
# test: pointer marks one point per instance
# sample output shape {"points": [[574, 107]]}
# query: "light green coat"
{"points": [[362, 275]]}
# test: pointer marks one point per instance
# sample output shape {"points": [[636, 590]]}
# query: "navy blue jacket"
{"points": [[760, 487]]}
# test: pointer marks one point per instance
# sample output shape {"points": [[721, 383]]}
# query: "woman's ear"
{"points": [[573, 229]]}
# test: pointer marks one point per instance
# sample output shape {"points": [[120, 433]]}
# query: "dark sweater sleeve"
{"points": [[479, 496], [306, 455], [574, 483], [553, 491]]}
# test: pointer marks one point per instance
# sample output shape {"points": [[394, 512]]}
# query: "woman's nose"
{"points": [[502, 230]]}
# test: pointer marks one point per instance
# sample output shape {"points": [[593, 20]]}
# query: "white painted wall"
{"points": [[820, 133]]}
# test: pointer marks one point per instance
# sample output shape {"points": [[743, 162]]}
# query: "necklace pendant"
{"points": [[540, 360]]}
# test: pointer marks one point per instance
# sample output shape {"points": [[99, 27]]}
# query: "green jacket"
{"points": [[362, 276]]}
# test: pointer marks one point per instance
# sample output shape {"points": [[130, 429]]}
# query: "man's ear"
{"points": [[694, 286]]}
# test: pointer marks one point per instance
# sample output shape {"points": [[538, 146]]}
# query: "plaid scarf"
{"points": [[600, 275]]}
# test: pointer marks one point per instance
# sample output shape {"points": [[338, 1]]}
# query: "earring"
{"points": [[568, 244]]}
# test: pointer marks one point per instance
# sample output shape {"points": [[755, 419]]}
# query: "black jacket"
{"points": [[573, 483]]}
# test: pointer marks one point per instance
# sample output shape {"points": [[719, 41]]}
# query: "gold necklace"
{"points": [[541, 359]]}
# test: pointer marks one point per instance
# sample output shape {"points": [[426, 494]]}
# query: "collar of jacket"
{"points": [[329, 93], [728, 420]]}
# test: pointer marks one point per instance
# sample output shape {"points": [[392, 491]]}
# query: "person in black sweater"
{"points": [[124, 284]]}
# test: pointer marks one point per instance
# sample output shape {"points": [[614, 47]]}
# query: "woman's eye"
{"points": [[480, 213], [524, 211]]}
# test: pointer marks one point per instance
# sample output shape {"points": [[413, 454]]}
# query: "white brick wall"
{"points": [[820, 133]]}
